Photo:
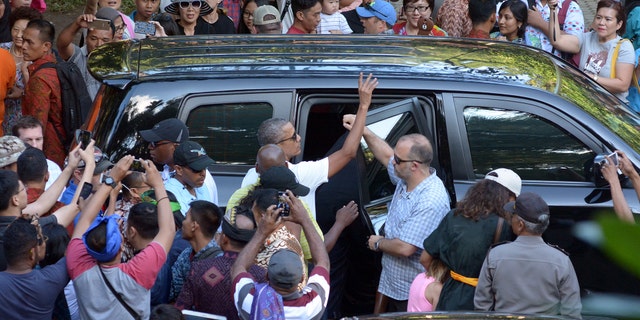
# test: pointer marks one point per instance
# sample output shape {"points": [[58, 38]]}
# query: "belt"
{"points": [[470, 281]]}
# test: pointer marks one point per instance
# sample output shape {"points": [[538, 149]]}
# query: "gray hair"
{"points": [[270, 131], [537, 228], [420, 148]]}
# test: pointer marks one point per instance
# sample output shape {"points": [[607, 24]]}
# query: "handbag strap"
{"points": [[118, 296], [496, 236], [614, 59]]}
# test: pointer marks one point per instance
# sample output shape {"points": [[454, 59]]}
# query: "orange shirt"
{"points": [[7, 80]]}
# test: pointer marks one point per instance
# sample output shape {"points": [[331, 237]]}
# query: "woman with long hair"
{"points": [[246, 23], [465, 234], [512, 21], [604, 56]]}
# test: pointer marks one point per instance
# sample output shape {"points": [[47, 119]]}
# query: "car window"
{"points": [[228, 131], [531, 146]]}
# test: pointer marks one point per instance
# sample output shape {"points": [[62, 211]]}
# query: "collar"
{"points": [[49, 57]]}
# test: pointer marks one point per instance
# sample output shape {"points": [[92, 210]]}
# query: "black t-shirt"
{"points": [[224, 25], [5, 28]]}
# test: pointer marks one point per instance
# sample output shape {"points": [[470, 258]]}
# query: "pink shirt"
{"points": [[417, 300]]}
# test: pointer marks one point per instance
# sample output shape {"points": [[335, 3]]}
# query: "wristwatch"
{"points": [[376, 246], [108, 180]]}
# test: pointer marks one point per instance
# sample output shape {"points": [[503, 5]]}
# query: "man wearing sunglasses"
{"points": [[377, 17], [419, 203], [163, 139]]}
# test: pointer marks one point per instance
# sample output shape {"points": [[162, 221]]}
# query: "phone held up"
{"points": [[100, 24], [282, 204], [83, 138], [144, 28]]}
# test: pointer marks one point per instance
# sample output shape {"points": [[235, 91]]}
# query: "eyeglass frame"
{"points": [[154, 144], [190, 4], [397, 160], [369, 6], [411, 9], [292, 138]]}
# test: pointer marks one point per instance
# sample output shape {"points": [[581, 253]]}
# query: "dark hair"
{"points": [[303, 5], [144, 217], [19, 237], [8, 187], [620, 14], [46, 28], [25, 122], [481, 10], [56, 244], [166, 312], [32, 165], [270, 130], [242, 28], [520, 13], [166, 21], [429, 2], [484, 198], [96, 238], [131, 180], [207, 215], [264, 198], [23, 13]]}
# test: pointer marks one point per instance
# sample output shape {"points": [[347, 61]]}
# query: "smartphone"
{"points": [[145, 28], [137, 165], [100, 24], [83, 138], [286, 211], [614, 158]]}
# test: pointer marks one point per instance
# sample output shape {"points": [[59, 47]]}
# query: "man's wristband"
{"points": [[376, 246]]}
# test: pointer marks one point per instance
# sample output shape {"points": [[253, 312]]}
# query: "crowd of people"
{"points": [[83, 237]]}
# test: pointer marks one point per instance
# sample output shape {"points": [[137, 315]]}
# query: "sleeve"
{"points": [[36, 99], [432, 243], [483, 298], [313, 173], [50, 219], [627, 54], [424, 219], [78, 259], [213, 188], [574, 21], [569, 288], [243, 289], [76, 55], [56, 274], [178, 273], [144, 266], [344, 25], [185, 299], [250, 178]]}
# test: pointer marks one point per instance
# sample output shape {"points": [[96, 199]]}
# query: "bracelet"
{"points": [[595, 77], [158, 201], [376, 246]]}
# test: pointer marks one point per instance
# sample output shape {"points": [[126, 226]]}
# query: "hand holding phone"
{"points": [[83, 138], [145, 28], [100, 24]]}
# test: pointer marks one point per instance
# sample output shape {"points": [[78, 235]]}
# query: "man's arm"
{"points": [[166, 225], [65, 39], [340, 158], [300, 215], [394, 247], [344, 217], [269, 222], [51, 195], [380, 148], [90, 211], [562, 41], [66, 214]]}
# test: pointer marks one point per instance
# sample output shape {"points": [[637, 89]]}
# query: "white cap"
{"points": [[507, 179]]}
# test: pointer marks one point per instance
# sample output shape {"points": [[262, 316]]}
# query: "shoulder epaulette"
{"points": [[558, 248]]}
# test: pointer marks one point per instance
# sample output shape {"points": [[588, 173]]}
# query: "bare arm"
{"points": [[425, 259], [562, 41], [66, 214], [340, 158], [624, 74], [91, 7], [300, 215], [166, 225], [51, 195], [344, 217], [65, 39], [380, 148], [394, 247], [620, 205]]}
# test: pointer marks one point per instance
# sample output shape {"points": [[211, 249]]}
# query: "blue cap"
{"points": [[113, 238], [380, 9]]}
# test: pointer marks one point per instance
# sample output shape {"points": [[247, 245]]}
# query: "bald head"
{"points": [[269, 156], [420, 147]]}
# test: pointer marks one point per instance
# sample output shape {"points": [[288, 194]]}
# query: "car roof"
{"points": [[244, 56]]}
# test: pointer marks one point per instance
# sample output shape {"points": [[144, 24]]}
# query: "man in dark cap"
{"points": [[285, 271], [528, 275], [190, 162], [210, 279], [163, 139]]}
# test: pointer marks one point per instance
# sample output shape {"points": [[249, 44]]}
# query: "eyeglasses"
{"points": [[247, 14], [154, 145], [398, 161], [20, 190], [412, 9], [294, 137], [120, 28], [187, 4], [369, 6]]}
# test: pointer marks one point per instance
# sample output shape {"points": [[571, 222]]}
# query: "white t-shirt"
{"points": [[310, 174], [334, 21], [54, 173]]}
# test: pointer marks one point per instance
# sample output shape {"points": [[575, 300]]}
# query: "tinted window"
{"points": [[533, 147], [228, 131]]}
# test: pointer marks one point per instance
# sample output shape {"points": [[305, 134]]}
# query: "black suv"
{"points": [[483, 104]]}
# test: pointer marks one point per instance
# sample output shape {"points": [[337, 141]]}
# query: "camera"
{"points": [[283, 205]]}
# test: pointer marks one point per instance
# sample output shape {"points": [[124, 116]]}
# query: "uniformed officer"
{"points": [[528, 275]]}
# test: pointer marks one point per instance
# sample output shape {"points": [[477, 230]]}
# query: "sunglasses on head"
{"points": [[186, 4]]}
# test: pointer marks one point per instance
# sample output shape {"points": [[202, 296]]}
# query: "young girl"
{"points": [[425, 288], [512, 21], [331, 20]]}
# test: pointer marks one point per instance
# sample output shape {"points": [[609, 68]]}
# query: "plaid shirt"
{"points": [[412, 217], [233, 8]]}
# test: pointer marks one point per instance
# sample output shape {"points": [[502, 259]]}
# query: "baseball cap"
{"points": [[113, 238], [193, 155], [528, 206], [169, 129], [102, 162], [507, 178], [265, 14], [285, 269], [281, 179], [11, 148], [380, 9]]}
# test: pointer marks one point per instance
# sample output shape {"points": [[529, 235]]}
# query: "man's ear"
{"points": [[14, 200], [46, 176], [299, 15], [178, 169], [493, 17], [47, 45]]}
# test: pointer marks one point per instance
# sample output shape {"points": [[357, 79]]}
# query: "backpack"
{"points": [[267, 304], [76, 101]]}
